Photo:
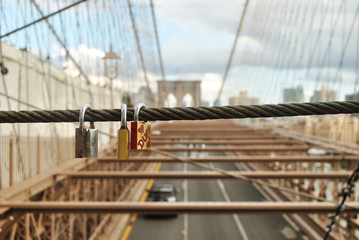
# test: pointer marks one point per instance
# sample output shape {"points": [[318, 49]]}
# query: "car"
{"points": [[162, 193]]}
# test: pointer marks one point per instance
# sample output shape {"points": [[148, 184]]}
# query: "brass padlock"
{"points": [[123, 135], [86, 139], [140, 131]]}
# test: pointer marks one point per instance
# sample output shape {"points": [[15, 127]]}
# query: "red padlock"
{"points": [[140, 131]]}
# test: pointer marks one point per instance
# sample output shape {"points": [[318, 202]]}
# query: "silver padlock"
{"points": [[86, 139]]}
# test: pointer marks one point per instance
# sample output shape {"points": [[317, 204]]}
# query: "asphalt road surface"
{"points": [[208, 227]]}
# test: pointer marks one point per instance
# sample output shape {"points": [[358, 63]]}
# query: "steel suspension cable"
{"points": [[140, 52], [252, 31], [157, 40], [267, 55], [346, 43], [41, 19], [327, 49], [185, 113], [318, 37], [283, 15], [260, 14], [68, 54], [228, 66], [356, 66], [306, 39], [294, 46]]}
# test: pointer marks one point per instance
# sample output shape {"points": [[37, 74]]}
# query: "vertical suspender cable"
{"points": [[157, 41], [66, 50], [232, 52], [140, 51]]}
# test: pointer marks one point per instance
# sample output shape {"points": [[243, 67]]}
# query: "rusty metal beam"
{"points": [[214, 137], [228, 142], [236, 148], [180, 207], [218, 130], [9, 222], [204, 174], [38, 183], [342, 147], [261, 159]]}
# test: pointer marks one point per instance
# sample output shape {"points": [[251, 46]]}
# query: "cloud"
{"points": [[186, 57], [275, 34], [278, 42], [89, 59]]}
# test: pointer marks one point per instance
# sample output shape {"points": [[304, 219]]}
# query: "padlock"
{"points": [[140, 131], [86, 139], [123, 135]]}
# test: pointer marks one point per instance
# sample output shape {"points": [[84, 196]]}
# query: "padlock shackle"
{"points": [[123, 116], [82, 114], [137, 110]]}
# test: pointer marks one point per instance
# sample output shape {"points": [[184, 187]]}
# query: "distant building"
{"points": [[291, 95], [243, 99], [324, 95], [352, 97]]}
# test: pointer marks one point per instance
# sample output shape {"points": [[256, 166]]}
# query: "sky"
{"points": [[283, 43], [202, 36]]}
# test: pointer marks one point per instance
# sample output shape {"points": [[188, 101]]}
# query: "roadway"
{"points": [[208, 227]]}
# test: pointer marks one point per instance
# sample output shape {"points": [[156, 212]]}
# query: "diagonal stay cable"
{"points": [[239, 176], [42, 18], [346, 191], [229, 63], [185, 113]]}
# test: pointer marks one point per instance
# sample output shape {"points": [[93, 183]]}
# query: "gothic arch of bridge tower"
{"points": [[179, 89]]}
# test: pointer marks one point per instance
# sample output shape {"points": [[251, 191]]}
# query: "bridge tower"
{"points": [[179, 89]]}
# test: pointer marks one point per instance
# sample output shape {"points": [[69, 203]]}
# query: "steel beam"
{"points": [[205, 174], [228, 142], [237, 148], [38, 183], [180, 207], [261, 159], [205, 131], [215, 137]]}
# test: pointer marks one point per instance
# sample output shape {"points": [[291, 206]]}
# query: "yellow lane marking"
{"points": [[158, 167], [127, 232], [133, 218], [143, 198]]}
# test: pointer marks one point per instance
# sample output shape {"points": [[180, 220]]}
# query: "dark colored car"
{"points": [[162, 193]]}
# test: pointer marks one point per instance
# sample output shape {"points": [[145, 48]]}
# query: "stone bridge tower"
{"points": [[179, 89]]}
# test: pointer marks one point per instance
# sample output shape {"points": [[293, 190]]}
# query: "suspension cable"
{"points": [[157, 40], [138, 43], [185, 113], [68, 54], [228, 66], [42, 18]]}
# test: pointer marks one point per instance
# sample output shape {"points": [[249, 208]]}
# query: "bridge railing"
{"points": [[321, 188], [24, 157]]}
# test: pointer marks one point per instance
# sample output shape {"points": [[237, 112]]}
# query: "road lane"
{"points": [[218, 226], [211, 226], [160, 227], [257, 226]]}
